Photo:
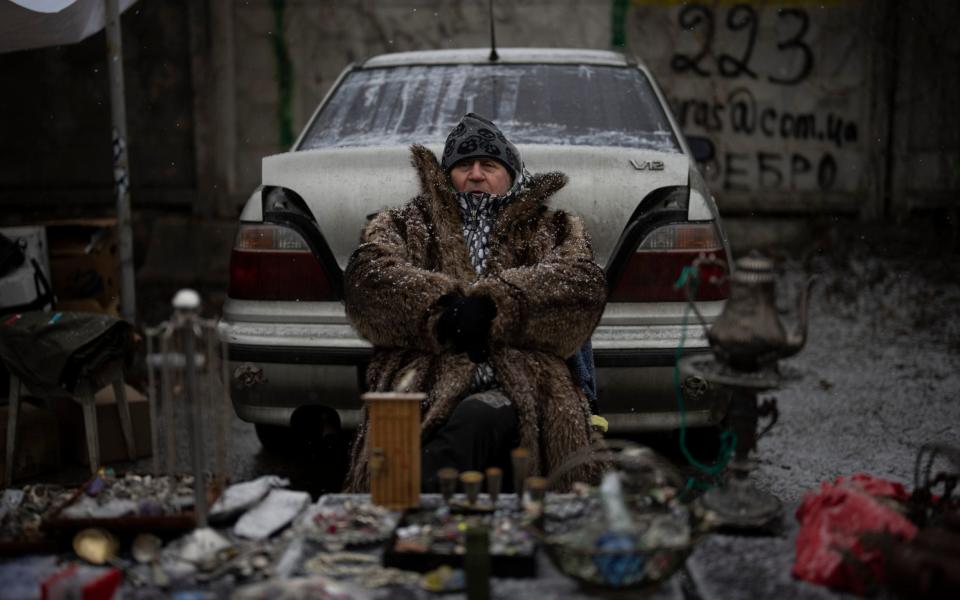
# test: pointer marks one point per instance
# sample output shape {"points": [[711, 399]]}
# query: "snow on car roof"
{"points": [[506, 55]]}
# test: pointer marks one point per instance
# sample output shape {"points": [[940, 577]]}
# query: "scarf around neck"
{"points": [[478, 213]]}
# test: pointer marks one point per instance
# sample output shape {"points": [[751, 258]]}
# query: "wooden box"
{"points": [[393, 448], [85, 264]]}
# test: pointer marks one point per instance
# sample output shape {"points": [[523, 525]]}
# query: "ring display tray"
{"points": [[57, 522], [514, 556]]}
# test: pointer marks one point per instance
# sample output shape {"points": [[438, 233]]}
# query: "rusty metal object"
{"points": [[928, 566], [694, 388], [768, 408], [376, 461], [248, 375], [748, 336]]}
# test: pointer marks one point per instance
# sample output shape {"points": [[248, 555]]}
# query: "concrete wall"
{"points": [[925, 137], [795, 97], [788, 93], [322, 37], [833, 106], [55, 132]]}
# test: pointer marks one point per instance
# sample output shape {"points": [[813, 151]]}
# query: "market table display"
{"points": [[339, 538], [641, 530], [271, 542]]}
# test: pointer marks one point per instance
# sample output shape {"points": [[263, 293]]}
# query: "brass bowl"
{"points": [[621, 561], [628, 567]]}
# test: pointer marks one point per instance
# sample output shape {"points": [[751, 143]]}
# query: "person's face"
{"points": [[480, 175]]}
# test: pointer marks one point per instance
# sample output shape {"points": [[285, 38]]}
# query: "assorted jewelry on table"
{"points": [[350, 525], [633, 530], [442, 532], [108, 496], [22, 510]]}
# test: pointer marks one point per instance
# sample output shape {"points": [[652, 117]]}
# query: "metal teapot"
{"points": [[748, 336]]}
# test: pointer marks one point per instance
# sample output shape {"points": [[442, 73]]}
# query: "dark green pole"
{"points": [[618, 23], [284, 75]]}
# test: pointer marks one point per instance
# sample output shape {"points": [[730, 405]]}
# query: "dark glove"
{"points": [[466, 324]]}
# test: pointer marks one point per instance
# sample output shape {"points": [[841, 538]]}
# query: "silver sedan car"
{"points": [[595, 115]]}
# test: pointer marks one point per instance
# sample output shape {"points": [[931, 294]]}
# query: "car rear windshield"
{"points": [[584, 105]]}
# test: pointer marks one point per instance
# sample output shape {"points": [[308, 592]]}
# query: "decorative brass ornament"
{"points": [[96, 546]]}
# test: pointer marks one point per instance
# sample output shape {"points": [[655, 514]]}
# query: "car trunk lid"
{"points": [[344, 187]]}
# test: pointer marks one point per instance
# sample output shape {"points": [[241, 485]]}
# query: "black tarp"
{"points": [[50, 351]]}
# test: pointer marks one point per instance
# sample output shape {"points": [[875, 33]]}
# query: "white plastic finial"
{"points": [[186, 299]]}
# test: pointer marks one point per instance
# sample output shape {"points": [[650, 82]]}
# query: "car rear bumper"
{"points": [[272, 377]]}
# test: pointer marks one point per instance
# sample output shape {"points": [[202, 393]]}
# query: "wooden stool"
{"points": [[87, 386]]}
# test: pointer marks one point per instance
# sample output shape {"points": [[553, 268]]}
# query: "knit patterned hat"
{"points": [[477, 137]]}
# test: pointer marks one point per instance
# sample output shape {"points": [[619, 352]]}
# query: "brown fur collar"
{"points": [[435, 186]]}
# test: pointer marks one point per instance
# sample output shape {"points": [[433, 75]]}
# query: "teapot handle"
{"points": [[701, 260]]}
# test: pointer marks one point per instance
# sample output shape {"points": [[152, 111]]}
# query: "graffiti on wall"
{"points": [[771, 85]]}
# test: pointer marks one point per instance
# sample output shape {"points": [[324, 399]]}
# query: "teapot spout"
{"points": [[798, 338]]}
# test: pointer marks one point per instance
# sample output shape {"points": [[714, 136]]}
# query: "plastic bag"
{"points": [[829, 549]]}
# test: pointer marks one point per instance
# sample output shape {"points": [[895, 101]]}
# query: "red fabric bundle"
{"points": [[831, 522]]}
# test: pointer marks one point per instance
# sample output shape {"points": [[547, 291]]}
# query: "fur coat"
{"points": [[540, 274]]}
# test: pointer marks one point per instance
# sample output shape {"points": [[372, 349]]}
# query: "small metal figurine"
{"points": [[447, 478], [520, 460], [494, 483], [536, 488], [472, 484]]}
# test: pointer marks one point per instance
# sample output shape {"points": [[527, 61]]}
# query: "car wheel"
{"points": [[275, 438]]}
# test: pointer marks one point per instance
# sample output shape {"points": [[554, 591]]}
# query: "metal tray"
{"points": [[502, 565], [55, 523]]}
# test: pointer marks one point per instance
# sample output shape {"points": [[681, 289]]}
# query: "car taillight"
{"points": [[272, 262], [651, 271]]}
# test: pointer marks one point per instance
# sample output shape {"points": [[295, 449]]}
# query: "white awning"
{"points": [[26, 24]]}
